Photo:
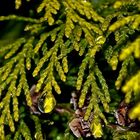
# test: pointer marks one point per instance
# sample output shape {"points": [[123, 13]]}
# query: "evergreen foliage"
{"points": [[92, 47]]}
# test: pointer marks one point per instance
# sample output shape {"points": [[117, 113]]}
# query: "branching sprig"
{"points": [[10, 75], [66, 26], [51, 7]]}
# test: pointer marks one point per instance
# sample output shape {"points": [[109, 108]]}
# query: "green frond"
{"points": [[25, 85], [2, 133], [93, 50], [83, 45], [43, 37], [101, 97], [81, 72], [121, 4], [77, 33], [6, 71], [15, 70], [60, 71], [50, 7], [6, 117], [133, 47], [65, 64], [12, 48], [88, 36], [129, 85], [10, 121], [85, 89], [134, 112], [90, 106], [56, 86], [15, 108], [122, 36], [122, 73], [106, 24], [103, 83], [122, 22], [108, 53], [48, 53], [29, 54], [96, 97], [38, 134], [136, 23], [43, 75], [85, 8], [69, 24], [19, 18], [42, 61], [26, 133], [132, 87], [128, 96], [99, 41], [34, 28], [40, 50], [114, 61]]}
